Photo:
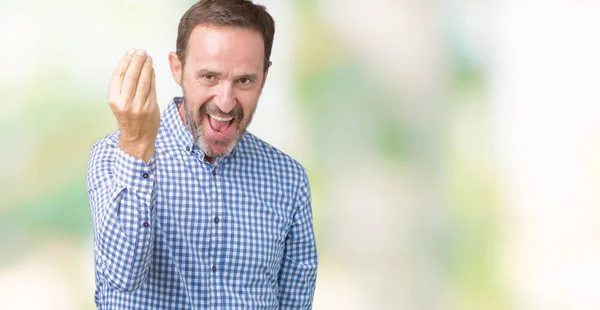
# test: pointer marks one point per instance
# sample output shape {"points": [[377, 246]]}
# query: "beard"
{"points": [[201, 139]]}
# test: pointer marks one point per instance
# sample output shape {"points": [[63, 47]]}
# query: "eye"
{"points": [[209, 77], [245, 81]]}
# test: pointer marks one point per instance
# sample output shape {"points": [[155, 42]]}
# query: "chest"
{"points": [[228, 211]]}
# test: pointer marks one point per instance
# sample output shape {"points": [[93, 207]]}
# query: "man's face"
{"points": [[221, 81]]}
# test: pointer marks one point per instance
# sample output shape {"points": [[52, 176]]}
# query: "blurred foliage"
{"points": [[346, 114], [45, 198]]}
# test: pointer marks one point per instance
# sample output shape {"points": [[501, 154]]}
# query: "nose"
{"points": [[224, 97]]}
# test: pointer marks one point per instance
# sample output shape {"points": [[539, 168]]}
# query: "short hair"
{"points": [[232, 13]]}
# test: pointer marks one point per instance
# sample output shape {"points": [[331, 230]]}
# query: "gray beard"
{"points": [[200, 138]]}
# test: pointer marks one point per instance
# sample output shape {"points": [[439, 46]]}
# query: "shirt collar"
{"points": [[181, 134], [172, 121]]}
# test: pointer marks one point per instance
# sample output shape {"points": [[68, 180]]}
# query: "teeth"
{"points": [[220, 119]]}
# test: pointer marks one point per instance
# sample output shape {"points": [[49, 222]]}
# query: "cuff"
{"points": [[133, 173]]}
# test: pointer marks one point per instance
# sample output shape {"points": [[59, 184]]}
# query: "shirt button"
{"points": [[146, 224], [145, 175], [217, 219], [214, 269], [187, 148]]}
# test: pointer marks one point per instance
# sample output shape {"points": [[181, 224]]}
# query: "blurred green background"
{"points": [[452, 146]]}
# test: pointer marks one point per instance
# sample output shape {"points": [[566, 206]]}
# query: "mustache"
{"points": [[212, 108]]}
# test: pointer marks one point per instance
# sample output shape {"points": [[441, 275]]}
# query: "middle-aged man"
{"points": [[190, 210]]}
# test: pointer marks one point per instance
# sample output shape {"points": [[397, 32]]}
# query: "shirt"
{"points": [[181, 233]]}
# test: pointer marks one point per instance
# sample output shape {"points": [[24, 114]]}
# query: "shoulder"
{"points": [[258, 152]]}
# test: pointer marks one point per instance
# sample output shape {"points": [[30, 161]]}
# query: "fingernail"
{"points": [[131, 51], [141, 52]]}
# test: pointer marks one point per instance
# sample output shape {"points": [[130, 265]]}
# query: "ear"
{"points": [[176, 67], [266, 73]]}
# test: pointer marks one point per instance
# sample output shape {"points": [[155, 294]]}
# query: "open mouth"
{"points": [[220, 125]]}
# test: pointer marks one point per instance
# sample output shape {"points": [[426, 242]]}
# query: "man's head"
{"points": [[221, 64]]}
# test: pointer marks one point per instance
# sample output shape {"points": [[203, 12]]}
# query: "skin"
{"points": [[132, 99], [223, 75]]}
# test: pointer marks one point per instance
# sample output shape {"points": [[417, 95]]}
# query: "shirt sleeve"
{"points": [[298, 272], [121, 190]]}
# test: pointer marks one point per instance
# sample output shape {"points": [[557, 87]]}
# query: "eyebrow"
{"points": [[250, 76], [203, 72]]}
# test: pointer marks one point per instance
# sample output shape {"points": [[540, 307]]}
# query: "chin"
{"points": [[219, 149]]}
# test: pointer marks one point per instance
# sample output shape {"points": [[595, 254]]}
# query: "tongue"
{"points": [[218, 126]]}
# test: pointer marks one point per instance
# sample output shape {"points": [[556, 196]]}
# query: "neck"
{"points": [[209, 159]]}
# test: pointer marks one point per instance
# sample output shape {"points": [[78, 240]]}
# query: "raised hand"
{"points": [[132, 99]]}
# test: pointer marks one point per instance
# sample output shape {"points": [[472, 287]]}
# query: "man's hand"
{"points": [[132, 98]]}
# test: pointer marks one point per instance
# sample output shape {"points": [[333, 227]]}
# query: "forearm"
{"points": [[298, 273], [297, 283], [121, 192]]}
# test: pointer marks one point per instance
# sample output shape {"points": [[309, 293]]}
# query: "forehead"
{"points": [[242, 48]]}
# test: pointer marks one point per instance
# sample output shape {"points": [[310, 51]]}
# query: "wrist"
{"points": [[140, 149]]}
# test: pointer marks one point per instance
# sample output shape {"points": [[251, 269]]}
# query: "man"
{"points": [[190, 210]]}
